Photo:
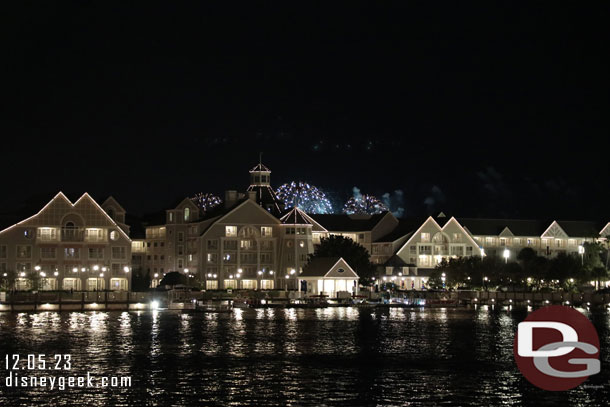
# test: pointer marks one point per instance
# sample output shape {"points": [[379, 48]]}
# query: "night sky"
{"points": [[488, 110]]}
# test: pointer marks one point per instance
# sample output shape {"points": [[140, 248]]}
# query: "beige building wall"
{"points": [[69, 246]]}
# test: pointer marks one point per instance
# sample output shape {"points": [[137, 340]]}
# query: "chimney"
{"points": [[230, 198], [252, 195]]}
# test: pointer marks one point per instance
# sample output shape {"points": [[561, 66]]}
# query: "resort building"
{"points": [[68, 246], [252, 242]]}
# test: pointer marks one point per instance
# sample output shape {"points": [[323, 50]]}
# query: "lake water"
{"points": [[289, 357]]}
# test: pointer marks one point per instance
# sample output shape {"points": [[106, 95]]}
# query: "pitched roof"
{"points": [[396, 261], [321, 266], [260, 167], [493, 227], [580, 228], [295, 217], [265, 197], [348, 223], [405, 227], [525, 227]]}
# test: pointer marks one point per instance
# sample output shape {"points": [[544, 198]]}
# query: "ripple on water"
{"points": [[278, 357]]}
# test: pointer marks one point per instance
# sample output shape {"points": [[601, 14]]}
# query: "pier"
{"points": [[142, 301]]}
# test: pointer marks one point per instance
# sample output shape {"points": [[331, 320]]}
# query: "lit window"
{"points": [[114, 235], [266, 231], [425, 237], [230, 231], [187, 213]]}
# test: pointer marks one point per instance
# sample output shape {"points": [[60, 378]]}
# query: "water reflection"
{"points": [[278, 357]]}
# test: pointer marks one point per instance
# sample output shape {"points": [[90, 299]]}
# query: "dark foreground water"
{"points": [[289, 357]]}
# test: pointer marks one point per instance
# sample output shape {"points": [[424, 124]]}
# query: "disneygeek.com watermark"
{"points": [[38, 371]]}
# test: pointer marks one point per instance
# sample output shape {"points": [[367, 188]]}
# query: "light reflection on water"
{"points": [[277, 357]]}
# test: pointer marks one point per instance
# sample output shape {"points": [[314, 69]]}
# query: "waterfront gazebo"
{"points": [[329, 276]]}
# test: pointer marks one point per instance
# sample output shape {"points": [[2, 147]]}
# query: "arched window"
{"points": [[187, 213]]}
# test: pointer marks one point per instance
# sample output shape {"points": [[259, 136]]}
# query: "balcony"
{"points": [[72, 234]]}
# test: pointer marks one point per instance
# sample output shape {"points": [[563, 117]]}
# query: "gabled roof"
{"points": [[494, 227], [348, 223], [528, 227], [79, 205], [323, 267], [605, 230], [217, 216], [112, 201]]}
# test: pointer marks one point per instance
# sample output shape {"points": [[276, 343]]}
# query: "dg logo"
{"points": [[556, 348]]}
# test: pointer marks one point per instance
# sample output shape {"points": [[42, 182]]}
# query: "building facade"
{"points": [[252, 242], [68, 246]]}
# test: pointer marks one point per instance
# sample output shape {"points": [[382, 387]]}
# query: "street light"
{"points": [[506, 255]]}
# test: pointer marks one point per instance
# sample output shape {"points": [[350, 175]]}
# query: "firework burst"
{"points": [[364, 204], [304, 196], [206, 201]]}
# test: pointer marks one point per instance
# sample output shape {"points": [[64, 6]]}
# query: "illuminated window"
{"points": [[230, 231], [71, 252], [187, 213], [211, 285], [114, 235], [248, 284], [47, 234], [266, 231], [425, 237]]}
